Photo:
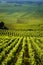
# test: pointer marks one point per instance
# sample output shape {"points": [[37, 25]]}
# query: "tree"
{"points": [[2, 25]]}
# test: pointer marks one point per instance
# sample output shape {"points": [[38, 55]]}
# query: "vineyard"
{"points": [[21, 50], [21, 32]]}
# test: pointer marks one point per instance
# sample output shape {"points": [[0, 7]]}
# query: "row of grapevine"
{"points": [[13, 49], [20, 58], [38, 50], [18, 33], [11, 55], [31, 53], [5, 51]]}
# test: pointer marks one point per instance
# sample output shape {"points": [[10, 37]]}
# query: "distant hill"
{"points": [[24, 2], [14, 13], [21, 1]]}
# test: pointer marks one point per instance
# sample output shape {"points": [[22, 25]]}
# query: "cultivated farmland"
{"points": [[21, 50], [22, 43]]}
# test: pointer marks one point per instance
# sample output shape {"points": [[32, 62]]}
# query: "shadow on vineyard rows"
{"points": [[21, 50]]}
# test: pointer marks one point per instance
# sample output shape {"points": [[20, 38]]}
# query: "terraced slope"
{"points": [[21, 50]]}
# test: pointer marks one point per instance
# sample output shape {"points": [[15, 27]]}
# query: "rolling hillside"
{"points": [[13, 14]]}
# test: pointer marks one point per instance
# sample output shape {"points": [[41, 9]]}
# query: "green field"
{"points": [[22, 42], [18, 16], [15, 13], [21, 50]]}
